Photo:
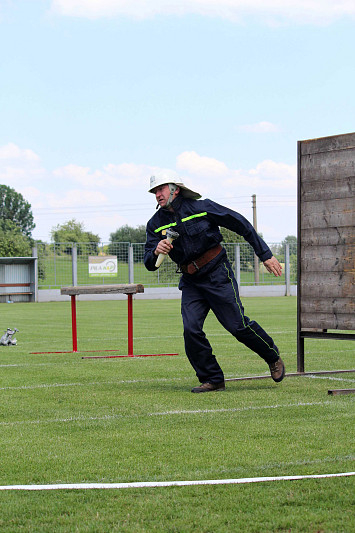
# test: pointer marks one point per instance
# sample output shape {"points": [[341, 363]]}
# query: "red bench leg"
{"points": [[130, 324], [73, 323]]}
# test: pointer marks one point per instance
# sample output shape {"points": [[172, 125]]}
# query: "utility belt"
{"points": [[197, 264]]}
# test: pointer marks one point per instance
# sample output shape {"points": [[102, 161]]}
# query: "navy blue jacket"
{"points": [[197, 222]]}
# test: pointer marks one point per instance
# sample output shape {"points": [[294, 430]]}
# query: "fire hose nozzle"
{"points": [[170, 235]]}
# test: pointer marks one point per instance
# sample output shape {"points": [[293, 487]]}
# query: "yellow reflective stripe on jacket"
{"points": [[182, 220], [194, 216], [164, 227]]}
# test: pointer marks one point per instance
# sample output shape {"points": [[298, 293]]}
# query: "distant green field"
{"points": [[64, 419]]}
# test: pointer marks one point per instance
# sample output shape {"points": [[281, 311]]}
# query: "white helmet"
{"points": [[157, 181]]}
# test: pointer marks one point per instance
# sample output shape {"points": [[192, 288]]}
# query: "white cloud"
{"points": [[131, 175], [271, 11], [198, 165], [115, 176], [19, 166], [76, 198], [208, 173], [271, 170], [265, 176], [32, 194], [79, 174], [11, 152], [260, 127]]}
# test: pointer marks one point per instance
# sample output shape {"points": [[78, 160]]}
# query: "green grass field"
{"points": [[64, 419]]}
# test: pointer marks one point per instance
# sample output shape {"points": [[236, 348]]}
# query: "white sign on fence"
{"points": [[100, 266]]}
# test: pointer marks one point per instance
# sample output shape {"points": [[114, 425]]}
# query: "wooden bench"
{"points": [[74, 290], [14, 293], [128, 289]]}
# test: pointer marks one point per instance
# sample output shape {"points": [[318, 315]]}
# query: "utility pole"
{"points": [[255, 224]]}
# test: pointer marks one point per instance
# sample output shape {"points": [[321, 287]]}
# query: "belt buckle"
{"points": [[192, 268], [194, 264]]}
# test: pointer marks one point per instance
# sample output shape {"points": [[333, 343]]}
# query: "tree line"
{"points": [[17, 224]]}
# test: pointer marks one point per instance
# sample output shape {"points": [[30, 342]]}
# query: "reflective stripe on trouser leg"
{"points": [[194, 309], [223, 296]]}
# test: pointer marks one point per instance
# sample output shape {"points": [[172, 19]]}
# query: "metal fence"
{"points": [[61, 264]]}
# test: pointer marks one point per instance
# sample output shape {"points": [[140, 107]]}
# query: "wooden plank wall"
{"points": [[326, 234]]}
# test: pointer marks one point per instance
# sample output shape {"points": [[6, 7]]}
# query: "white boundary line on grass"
{"points": [[348, 380], [151, 484], [130, 381], [116, 416]]}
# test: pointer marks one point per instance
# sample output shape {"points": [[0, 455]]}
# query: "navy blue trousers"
{"points": [[218, 291]]}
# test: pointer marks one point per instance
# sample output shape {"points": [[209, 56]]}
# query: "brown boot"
{"points": [[277, 370], [210, 387]]}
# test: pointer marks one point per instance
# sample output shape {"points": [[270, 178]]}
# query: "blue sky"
{"points": [[97, 95]]}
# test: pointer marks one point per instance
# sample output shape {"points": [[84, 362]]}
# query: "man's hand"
{"points": [[273, 266], [163, 247]]}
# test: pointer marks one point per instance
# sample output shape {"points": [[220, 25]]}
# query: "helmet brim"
{"points": [[185, 191]]}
